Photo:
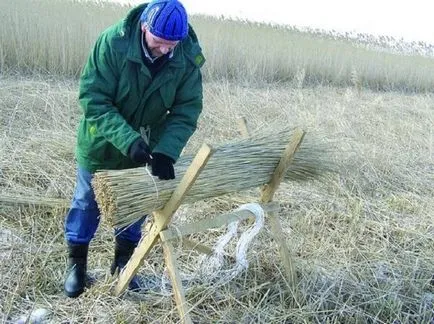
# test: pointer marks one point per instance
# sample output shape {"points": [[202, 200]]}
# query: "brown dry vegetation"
{"points": [[362, 240]]}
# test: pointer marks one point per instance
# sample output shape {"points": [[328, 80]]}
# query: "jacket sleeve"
{"points": [[98, 84], [182, 119]]}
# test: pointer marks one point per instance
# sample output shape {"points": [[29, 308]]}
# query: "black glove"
{"points": [[162, 166], [139, 152]]}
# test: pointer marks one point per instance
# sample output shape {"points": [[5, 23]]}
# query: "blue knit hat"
{"points": [[166, 19]]}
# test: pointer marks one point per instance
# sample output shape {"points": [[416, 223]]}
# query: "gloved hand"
{"points": [[162, 166], [139, 152]]}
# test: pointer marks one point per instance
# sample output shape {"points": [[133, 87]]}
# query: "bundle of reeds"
{"points": [[124, 196]]}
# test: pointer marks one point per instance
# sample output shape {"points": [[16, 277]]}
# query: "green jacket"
{"points": [[118, 96]]}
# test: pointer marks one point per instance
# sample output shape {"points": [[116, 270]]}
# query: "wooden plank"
{"points": [[269, 189], [242, 126], [193, 245], [215, 222], [178, 290], [187, 181], [284, 251], [187, 243], [140, 253], [162, 218], [168, 235], [267, 195]]}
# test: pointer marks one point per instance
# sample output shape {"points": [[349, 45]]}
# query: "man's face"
{"points": [[158, 46]]}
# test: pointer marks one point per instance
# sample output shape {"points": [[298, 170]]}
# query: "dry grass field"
{"points": [[362, 238]]}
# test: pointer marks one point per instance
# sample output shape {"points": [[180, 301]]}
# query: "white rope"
{"points": [[219, 276], [210, 267], [249, 235]]}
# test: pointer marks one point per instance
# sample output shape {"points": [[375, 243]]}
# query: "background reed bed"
{"points": [[55, 37]]}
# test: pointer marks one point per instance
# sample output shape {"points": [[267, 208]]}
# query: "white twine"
{"points": [[147, 217], [157, 193], [210, 267]]}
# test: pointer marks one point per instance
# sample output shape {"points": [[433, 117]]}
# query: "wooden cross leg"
{"points": [[162, 218], [158, 230], [267, 196]]}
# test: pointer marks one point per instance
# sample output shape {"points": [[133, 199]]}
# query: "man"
{"points": [[141, 96]]}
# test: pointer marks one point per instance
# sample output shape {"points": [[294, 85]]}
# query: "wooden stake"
{"points": [[162, 218], [242, 126], [178, 291], [284, 251]]}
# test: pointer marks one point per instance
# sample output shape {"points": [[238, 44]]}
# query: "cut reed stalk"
{"points": [[124, 196], [37, 201]]}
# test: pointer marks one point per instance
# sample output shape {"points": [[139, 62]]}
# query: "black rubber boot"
{"points": [[123, 251], [75, 281]]}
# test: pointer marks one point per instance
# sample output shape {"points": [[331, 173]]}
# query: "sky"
{"points": [[411, 20]]}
